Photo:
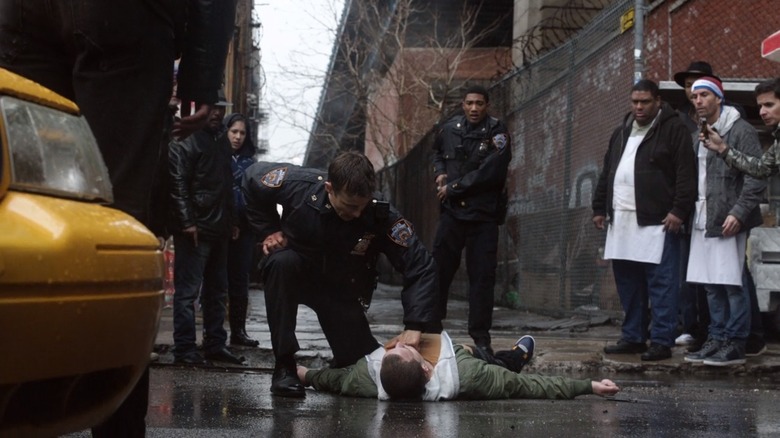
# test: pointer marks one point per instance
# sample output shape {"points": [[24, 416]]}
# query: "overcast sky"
{"points": [[297, 38]]}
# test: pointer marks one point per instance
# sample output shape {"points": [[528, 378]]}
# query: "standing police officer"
{"points": [[322, 252], [471, 155]]}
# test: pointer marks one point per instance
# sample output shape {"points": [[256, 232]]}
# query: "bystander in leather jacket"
{"points": [[475, 160], [342, 253], [201, 185]]}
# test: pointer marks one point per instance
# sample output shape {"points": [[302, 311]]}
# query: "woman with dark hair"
{"points": [[241, 248]]}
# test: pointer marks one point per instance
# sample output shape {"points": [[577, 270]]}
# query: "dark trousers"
{"points": [[290, 280], [640, 285], [239, 263], [481, 242], [115, 60], [199, 271], [693, 298]]}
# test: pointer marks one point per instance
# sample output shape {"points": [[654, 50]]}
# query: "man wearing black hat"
{"points": [[685, 79], [201, 223], [693, 299]]}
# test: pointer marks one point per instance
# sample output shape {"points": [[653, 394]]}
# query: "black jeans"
{"points": [[481, 242], [291, 280], [115, 60]]}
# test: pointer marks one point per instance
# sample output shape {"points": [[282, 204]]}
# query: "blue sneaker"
{"points": [[526, 345]]}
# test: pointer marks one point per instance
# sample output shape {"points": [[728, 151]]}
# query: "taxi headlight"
{"points": [[53, 152]]}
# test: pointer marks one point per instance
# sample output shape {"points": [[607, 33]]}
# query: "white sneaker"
{"points": [[684, 339]]}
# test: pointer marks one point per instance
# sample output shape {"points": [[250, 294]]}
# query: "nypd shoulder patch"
{"points": [[401, 232], [500, 141], [274, 178]]}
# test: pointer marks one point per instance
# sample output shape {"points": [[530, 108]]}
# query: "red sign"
{"points": [[770, 47]]}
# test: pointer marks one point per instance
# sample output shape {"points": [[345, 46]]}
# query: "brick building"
{"points": [[562, 93]]}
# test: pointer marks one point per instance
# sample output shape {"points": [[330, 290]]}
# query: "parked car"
{"points": [[80, 282]]}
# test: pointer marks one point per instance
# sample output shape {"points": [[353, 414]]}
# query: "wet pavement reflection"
{"points": [[200, 402]]}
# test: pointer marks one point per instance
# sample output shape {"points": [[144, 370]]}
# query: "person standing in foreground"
{"points": [[726, 209], [471, 157], [202, 222], [447, 372], [241, 247], [646, 191], [118, 72], [322, 252]]}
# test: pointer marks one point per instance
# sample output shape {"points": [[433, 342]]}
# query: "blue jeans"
{"points": [[729, 311], [206, 265], [639, 284]]}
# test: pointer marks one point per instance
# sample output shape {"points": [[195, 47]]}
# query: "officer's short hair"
{"points": [[352, 172], [402, 379], [477, 89], [769, 86]]}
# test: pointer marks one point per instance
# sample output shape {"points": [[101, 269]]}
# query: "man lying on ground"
{"points": [[443, 371]]}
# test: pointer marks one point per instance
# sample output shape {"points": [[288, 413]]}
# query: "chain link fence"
{"points": [[561, 110]]}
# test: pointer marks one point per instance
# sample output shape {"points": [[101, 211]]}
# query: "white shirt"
{"points": [[626, 239], [444, 383]]}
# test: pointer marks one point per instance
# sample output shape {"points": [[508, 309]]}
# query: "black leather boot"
{"points": [[285, 380], [237, 317], [240, 337]]}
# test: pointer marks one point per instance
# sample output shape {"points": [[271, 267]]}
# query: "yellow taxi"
{"points": [[80, 282]]}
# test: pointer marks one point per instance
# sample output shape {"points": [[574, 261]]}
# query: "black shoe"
{"points": [[241, 338], [625, 347], [731, 352], [656, 352], [706, 350], [285, 382], [755, 346], [193, 359], [521, 353], [484, 352], [225, 355]]}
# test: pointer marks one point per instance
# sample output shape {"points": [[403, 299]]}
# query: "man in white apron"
{"points": [[726, 208]]}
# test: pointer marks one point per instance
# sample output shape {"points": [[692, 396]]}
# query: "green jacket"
{"points": [[478, 381], [756, 167]]}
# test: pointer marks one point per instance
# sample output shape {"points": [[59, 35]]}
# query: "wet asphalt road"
{"points": [[187, 402]]}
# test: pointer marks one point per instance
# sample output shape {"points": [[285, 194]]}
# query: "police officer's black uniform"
{"points": [[330, 264], [475, 160]]}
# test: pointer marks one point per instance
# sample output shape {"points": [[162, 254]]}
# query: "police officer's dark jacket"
{"points": [[475, 160], [201, 185], [343, 252]]}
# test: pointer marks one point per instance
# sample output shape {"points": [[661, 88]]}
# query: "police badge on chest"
{"points": [[362, 245]]}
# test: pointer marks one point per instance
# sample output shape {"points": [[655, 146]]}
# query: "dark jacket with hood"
{"points": [[241, 159], [664, 170]]}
